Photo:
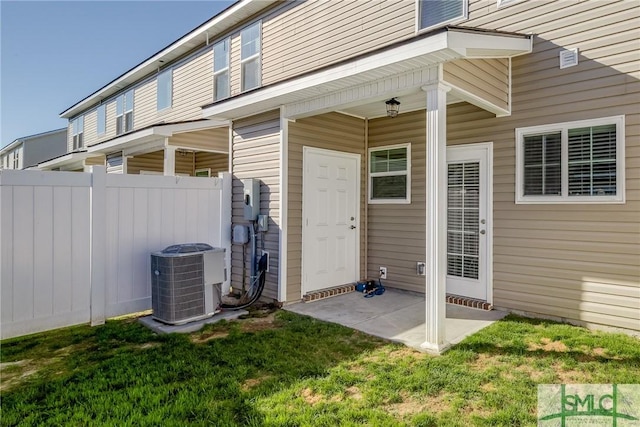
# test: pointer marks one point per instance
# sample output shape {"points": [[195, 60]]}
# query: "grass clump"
{"points": [[283, 369]]}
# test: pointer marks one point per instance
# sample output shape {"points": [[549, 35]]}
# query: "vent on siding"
{"points": [[568, 58]]}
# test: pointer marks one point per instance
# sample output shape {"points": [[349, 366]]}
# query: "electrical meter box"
{"points": [[251, 198]]}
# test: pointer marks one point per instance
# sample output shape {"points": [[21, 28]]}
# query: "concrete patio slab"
{"points": [[395, 315]]}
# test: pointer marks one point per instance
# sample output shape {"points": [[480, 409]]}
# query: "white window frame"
{"points": [[218, 73], [463, 17], [122, 99], [101, 120], [257, 56], [564, 197], [162, 74], [77, 133], [407, 172]]}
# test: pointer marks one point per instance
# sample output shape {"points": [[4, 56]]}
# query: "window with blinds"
{"points": [[77, 132], [434, 13], [571, 162], [124, 112]]}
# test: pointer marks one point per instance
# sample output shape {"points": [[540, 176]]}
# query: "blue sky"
{"points": [[54, 53]]}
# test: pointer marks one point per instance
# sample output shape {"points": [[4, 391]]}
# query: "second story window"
{"points": [[164, 90], [124, 112], [436, 13], [221, 70], [77, 132], [250, 57], [102, 119]]}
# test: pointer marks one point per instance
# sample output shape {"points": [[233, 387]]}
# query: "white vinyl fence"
{"points": [[74, 247]]}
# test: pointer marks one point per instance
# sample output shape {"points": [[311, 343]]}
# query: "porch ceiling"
{"points": [[153, 137], [397, 70], [409, 101]]}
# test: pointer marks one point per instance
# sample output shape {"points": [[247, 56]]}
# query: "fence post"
{"points": [[98, 238]]}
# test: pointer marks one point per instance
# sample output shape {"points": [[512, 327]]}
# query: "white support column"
{"points": [[169, 159], [436, 217]]}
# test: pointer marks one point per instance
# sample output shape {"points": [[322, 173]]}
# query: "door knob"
{"points": [[482, 232], [352, 227]]}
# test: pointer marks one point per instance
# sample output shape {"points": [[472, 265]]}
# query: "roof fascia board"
{"points": [[143, 68]]}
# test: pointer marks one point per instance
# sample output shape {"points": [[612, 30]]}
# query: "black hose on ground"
{"points": [[262, 268]]}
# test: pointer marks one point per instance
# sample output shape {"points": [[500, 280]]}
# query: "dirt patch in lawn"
{"points": [[411, 406], [546, 344], [15, 373], [250, 383], [247, 325], [310, 397]]}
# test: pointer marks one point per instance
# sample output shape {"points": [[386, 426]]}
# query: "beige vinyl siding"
{"points": [[185, 163], [153, 162], [192, 88], [111, 121], [256, 154], [485, 78], [98, 160], [307, 35], [69, 137], [214, 161], [90, 128], [331, 131], [396, 232], [216, 139], [234, 65], [144, 105]]}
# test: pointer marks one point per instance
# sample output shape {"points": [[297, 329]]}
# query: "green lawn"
{"points": [[290, 370]]}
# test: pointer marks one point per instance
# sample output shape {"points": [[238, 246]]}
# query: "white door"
{"points": [[468, 221], [330, 219]]}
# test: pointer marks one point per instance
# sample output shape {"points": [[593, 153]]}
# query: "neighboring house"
{"points": [[28, 151], [512, 168]]}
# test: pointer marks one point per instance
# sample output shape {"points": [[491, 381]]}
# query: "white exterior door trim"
{"points": [[488, 227], [305, 154]]}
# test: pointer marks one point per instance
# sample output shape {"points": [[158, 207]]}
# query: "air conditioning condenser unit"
{"points": [[185, 282]]}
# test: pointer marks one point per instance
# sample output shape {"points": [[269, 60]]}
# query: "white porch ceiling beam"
{"points": [[376, 90], [436, 218]]}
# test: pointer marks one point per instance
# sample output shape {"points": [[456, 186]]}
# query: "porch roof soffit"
{"points": [[373, 76], [75, 158], [210, 31], [152, 136]]}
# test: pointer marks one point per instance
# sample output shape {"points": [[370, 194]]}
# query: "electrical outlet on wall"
{"points": [[383, 272]]}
